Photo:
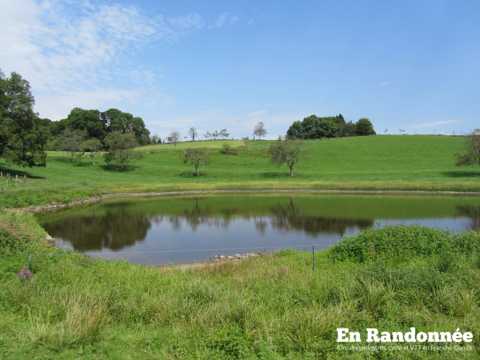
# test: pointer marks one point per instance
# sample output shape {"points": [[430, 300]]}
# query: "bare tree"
{"points": [[174, 137], [193, 133], [259, 130]]}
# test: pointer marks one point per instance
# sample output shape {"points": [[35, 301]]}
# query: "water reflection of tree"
{"points": [[261, 225], [291, 217], [285, 217], [197, 216], [473, 212], [114, 230]]}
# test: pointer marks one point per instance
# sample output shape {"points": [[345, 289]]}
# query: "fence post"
{"points": [[313, 258]]}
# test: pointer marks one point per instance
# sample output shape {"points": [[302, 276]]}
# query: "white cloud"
{"points": [[69, 50], [188, 22], [224, 19]]}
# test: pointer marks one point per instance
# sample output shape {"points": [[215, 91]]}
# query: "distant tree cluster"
{"points": [[314, 127], [25, 137], [83, 128]]}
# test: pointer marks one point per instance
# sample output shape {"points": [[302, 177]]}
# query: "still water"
{"points": [[189, 229]]}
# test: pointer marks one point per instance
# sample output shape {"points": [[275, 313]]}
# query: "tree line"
{"points": [[25, 137], [91, 128], [314, 127]]}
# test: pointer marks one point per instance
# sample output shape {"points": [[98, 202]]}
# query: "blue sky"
{"points": [[411, 65]]}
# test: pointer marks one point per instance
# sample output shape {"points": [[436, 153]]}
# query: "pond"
{"points": [[189, 229]]}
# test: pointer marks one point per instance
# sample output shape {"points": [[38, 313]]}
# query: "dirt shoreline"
{"points": [[97, 199]]}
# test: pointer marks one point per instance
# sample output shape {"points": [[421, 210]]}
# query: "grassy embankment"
{"points": [[271, 307], [368, 163]]}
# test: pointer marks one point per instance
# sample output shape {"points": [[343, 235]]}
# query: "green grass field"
{"points": [[270, 307], [369, 163]]}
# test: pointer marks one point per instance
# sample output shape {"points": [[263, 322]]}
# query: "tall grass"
{"points": [[269, 307]]}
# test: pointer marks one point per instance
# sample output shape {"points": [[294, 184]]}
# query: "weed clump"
{"points": [[399, 243]]}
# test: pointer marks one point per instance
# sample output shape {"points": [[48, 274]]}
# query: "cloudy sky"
{"points": [[410, 65]]}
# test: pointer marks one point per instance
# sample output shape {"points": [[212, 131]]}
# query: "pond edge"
{"points": [[100, 198]]}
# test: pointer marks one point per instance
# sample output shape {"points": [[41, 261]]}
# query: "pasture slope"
{"points": [[358, 163]]}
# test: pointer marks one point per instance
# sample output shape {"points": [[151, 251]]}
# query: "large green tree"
{"points": [[364, 127], [3, 112], [90, 121], [99, 124], [23, 136]]}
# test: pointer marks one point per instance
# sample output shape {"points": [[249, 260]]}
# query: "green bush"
{"points": [[228, 150], [402, 242], [8, 243]]}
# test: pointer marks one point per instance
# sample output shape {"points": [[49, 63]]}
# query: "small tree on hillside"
{"points": [[196, 158], [174, 137], [193, 133], [217, 134], [223, 133], [259, 130], [120, 155], [155, 140], [71, 141], [89, 149], [286, 152], [471, 156]]}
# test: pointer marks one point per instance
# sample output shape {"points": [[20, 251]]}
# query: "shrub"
{"points": [[400, 242], [230, 343], [10, 244], [228, 150]]}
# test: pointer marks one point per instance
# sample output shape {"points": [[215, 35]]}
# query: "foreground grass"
{"points": [[367, 163], [272, 307]]}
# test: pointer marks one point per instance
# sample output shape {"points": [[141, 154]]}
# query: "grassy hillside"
{"points": [[271, 307], [380, 162]]}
